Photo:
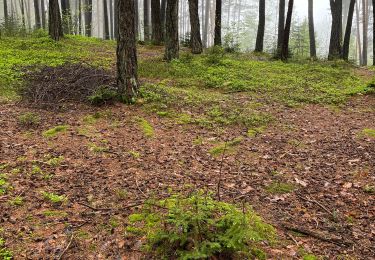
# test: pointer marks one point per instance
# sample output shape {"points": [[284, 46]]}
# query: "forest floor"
{"points": [[300, 148]]}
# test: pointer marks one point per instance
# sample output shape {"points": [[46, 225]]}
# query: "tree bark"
{"points": [[281, 24], [88, 17], [163, 7], [66, 16], [358, 34], [206, 23], [348, 31], [157, 35], [365, 31], [127, 64], [217, 38], [335, 44], [195, 35], [171, 31], [312, 30], [146, 20], [43, 11], [261, 25], [285, 44], [54, 20], [6, 16], [106, 20], [79, 17], [37, 14], [23, 15]]}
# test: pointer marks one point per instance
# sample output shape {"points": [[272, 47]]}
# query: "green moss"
{"points": [[54, 198], [55, 131], [29, 119], [17, 201], [280, 188], [97, 148], [146, 127], [227, 147], [55, 161], [367, 132]]}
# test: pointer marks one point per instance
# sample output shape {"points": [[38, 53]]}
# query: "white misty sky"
{"points": [[321, 9]]}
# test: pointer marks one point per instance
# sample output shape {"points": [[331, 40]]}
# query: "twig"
{"points": [[220, 171], [319, 235], [67, 247], [136, 182], [93, 208], [317, 203]]}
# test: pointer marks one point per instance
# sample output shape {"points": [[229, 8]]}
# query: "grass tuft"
{"points": [[55, 131]]}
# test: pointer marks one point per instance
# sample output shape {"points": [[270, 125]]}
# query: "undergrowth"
{"points": [[199, 227]]}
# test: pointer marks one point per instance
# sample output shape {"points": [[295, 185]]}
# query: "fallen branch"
{"points": [[67, 247], [318, 235]]}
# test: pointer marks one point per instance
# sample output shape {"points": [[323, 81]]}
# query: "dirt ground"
{"points": [[109, 166]]}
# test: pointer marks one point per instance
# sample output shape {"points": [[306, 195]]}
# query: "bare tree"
{"points": [[195, 35], [43, 10], [66, 15], [106, 20], [335, 43], [157, 34], [348, 31], [37, 14], [88, 17], [285, 44], [261, 26], [365, 31], [127, 64], [171, 31], [281, 24], [217, 38], [54, 20], [146, 19], [312, 30], [358, 33]]}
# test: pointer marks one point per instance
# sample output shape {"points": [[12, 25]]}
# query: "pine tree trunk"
{"points": [[163, 7], [106, 20], [348, 31], [43, 10], [6, 16], [171, 31], [217, 38], [206, 23], [37, 14], [195, 36], [23, 15], [136, 21], [285, 44], [115, 18], [261, 25], [281, 24], [334, 44], [88, 17], [146, 20], [365, 31], [79, 17], [312, 30], [54, 20], [127, 65], [157, 35], [66, 16]]}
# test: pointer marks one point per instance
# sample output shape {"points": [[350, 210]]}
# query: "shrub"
{"points": [[29, 119], [199, 227], [102, 95]]}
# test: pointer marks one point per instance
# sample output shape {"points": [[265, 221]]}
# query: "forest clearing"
{"points": [[132, 150]]}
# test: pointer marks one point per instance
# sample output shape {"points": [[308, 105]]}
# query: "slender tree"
{"points": [[261, 26], [312, 30], [365, 31], [281, 24], [88, 17], [171, 31], [37, 14], [79, 17], [6, 15], [127, 65], [106, 20], [54, 20], [163, 7], [285, 44], [217, 38], [195, 35], [66, 15], [115, 18], [157, 34], [23, 15], [146, 20], [206, 23], [335, 43], [358, 34], [348, 31], [43, 10]]}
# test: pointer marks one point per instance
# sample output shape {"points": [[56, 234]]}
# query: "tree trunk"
{"points": [[358, 34], [171, 31], [373, 33], [146, 20], [261, 25], [206, 23], [195, 35], [106, 20], [312, 30], [6, 17], [365, 31], [334, 44], [281, 24], [157, 35], [163, 7], [79, 17], [115, 18], [23, 15], [66, 16], [217, 38], [285, 44], [127, 65], [88, 17], [43, 10], [54, 20], [37, 14], [348, 31]]}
